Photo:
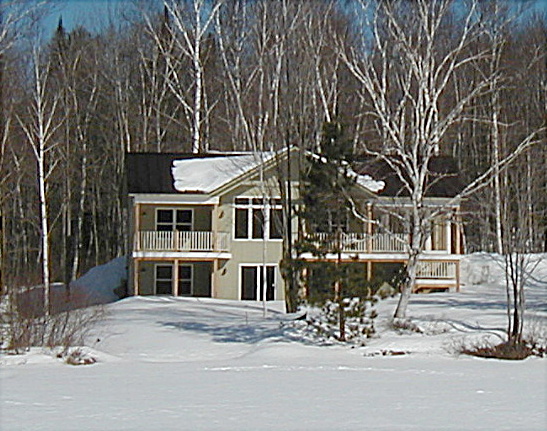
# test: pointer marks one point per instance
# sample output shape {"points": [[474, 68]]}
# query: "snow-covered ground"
{"points": [[202, 364]]}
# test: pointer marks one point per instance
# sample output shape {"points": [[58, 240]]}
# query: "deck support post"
{"points": [[136, 277], [176, 277]]}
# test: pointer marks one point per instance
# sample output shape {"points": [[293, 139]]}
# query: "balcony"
{"points": [[362, 243], [176, 241]]}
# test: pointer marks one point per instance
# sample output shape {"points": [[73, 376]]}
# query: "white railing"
{"points": [[436, 270], [382, 242], [362, 243], [181, 241]]}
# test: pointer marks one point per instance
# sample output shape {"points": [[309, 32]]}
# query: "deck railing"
{"points": [[361, 243], [181, 241], [436, 270]]}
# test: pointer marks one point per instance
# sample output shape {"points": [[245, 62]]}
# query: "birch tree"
{"points": [[404, 67], [39, 127], [190, 23]]}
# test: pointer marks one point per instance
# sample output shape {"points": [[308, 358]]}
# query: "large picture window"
{"points": [[252, 282], [174, 219], [255, 221]]}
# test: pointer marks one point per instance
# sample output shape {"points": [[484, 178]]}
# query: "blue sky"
{"points": [[90, 13]]}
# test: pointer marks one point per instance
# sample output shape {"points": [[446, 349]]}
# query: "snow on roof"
{"points": [[207, 174], [365, 181], [369, 183]]}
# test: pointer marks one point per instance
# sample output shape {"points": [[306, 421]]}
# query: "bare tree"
{"points": [[404, 79], [190, 23], [39, 127]]}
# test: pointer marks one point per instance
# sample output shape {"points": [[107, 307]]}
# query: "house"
{"points": [[379, 241], [212, 224], [206, 225]]}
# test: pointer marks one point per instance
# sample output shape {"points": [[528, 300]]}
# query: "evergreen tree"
{"points": [[326, 210]]}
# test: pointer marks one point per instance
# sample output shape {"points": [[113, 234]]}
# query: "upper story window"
{"points": [[174, 219], [254, 220]]}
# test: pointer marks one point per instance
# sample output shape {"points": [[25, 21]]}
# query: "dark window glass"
{"points": [[241, 223], [184, 216], [184, 227], [276, 223], [242, 201], [258, 223], [185, 287], [164, 272], [165, 216], [248, 282], [258, 201], [270, 282], [185, 272], [164, 287], [165, 227]]}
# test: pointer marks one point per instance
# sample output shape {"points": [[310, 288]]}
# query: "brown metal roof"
{"points": [[443, 181], [151, 172]]}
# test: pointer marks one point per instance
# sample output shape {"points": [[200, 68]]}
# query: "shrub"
{"points": [[358, 320], [506, 350], [25, 325]]}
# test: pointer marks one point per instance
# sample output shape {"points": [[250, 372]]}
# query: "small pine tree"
{"points": [[329, 284]]}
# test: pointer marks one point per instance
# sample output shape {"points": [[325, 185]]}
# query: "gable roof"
{"points": [[157, 173], [151, 172], [204, 175], [444, 180]]}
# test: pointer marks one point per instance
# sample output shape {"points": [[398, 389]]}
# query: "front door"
{"points": [[252, 285]]}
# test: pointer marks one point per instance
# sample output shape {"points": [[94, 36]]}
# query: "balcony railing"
{"points": [[361, 243], [181, 241]]}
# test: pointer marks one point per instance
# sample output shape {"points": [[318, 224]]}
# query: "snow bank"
{"points": [[174, 363], [99, 284]]}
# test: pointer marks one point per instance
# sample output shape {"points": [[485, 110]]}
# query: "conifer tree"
{"points": [[326, 210]]}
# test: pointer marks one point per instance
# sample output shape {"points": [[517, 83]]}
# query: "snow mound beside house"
{"points": [[102, 284]]}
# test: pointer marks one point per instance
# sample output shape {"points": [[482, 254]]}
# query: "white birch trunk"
{"points": [[39, 128]]}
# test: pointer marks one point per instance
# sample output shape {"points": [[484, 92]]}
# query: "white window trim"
{"points": [[250, 207], [257, 265], [174, 223]]}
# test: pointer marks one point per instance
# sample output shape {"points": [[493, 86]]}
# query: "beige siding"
{"points": [[146, 271]]}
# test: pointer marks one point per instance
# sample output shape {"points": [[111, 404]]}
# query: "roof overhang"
{"points": [[174, 199]]}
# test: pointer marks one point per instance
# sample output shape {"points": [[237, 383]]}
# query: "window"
{"points": [[252, 282], [185, 279], [174, 219], [253, 222], [163, 280], [276, 223], [338, 219]]}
